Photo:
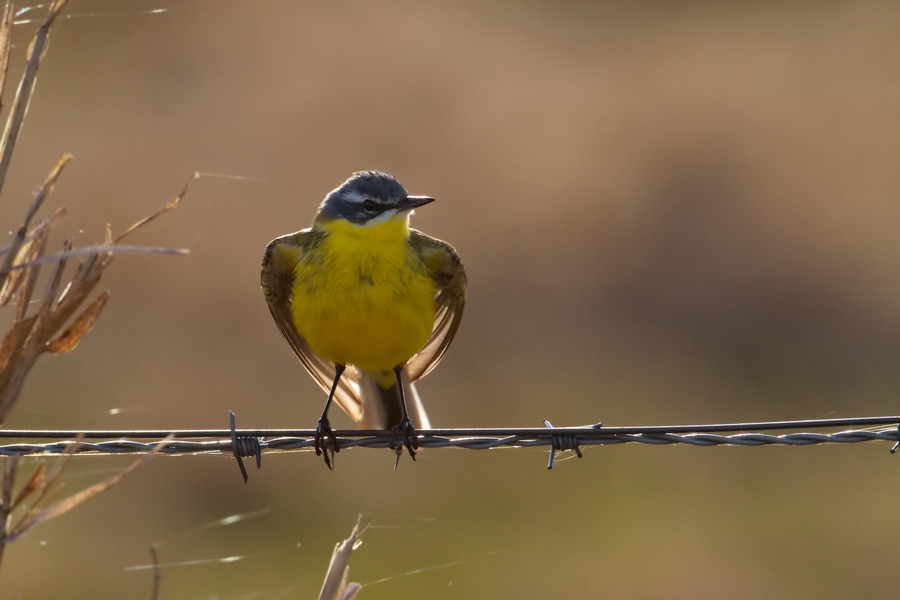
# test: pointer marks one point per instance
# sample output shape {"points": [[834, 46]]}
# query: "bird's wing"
{"points": [[277, 280], [450, 298]]}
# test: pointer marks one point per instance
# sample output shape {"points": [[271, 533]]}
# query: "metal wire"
{"points": [[594, 430], [352, 439], [253, 442]]}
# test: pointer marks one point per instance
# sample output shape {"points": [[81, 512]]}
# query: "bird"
{"points": [[368, 304]]}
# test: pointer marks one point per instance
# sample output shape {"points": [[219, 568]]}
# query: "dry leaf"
{"points": [[83, 323], [13, 341]]}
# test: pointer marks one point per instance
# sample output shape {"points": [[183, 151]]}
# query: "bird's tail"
{"points": [[381, 405]]}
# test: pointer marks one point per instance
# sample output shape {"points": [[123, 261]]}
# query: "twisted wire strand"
{"points": [[565, 438]]}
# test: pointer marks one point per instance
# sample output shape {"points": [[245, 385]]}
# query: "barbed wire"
{"points": [[253, 442]]}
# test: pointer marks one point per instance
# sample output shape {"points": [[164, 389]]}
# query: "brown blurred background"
{"points": [[670, 213]]}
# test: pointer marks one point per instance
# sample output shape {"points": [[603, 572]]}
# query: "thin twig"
{"points": [[157, 576], [6, 24], [101, 249], [26, 88], [34, 517], [171, 204], [43, 192]]}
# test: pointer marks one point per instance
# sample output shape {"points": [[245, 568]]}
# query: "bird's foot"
{"points": [[325, 437], [404, 434]]}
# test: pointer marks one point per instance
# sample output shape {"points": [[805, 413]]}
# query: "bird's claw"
{"points": [[325, 437], [405, 435]]}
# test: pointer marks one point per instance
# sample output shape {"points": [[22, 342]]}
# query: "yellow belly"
{"points": [[363, 298]]}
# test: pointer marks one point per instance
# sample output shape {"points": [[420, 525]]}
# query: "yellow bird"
{"points": [[361, 289]]}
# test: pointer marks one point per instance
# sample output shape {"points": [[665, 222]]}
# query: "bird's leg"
{"points": [[404, 431], [323, 427]]}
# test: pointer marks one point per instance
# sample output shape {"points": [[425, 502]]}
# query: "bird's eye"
{"points": [[370, 205]]}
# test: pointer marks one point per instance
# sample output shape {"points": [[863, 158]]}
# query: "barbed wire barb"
{"points": [[562, 442], [246, 445], [896, 444]]}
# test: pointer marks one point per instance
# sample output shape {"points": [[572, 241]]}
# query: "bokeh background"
{"points": [[670, 213]]}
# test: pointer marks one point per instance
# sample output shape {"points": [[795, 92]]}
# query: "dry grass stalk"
{"points": [[41, 487], [41, 326], [337, 585], [22, 99], [37, 333], [6, 23]]}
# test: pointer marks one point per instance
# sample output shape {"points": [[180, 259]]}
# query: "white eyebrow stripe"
{"points": [[355, 197]]}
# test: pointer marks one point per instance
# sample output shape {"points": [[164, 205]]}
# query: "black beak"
{"points": [[412, 202]]}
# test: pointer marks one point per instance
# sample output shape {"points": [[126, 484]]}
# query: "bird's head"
{"points": [[369, 198]]}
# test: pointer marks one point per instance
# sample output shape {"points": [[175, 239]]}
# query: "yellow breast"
{"points": [[363, 297]]}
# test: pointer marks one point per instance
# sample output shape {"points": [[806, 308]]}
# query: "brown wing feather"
{"points": [[450, 278]]}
